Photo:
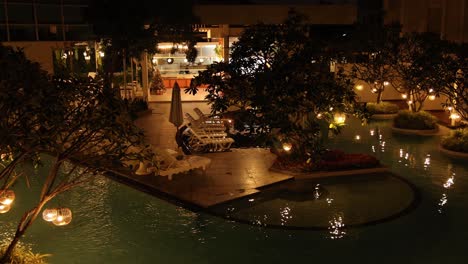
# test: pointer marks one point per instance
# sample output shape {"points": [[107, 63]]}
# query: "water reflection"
{"points": [[337, 227]]}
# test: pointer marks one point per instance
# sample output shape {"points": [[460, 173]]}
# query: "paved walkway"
{"points": [[232, 174]]}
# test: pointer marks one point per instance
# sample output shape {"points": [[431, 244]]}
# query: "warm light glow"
{"points": [[431, 90], [359, 87], [101, 54], [64, 217], [7, 197], [4, 208], [319, 116], [410, 102], [432, 97], [450, 108], [386, 83], [450, 181], [339, 118], [374, 90], [287, 146], [170, 60], [357, 137], [154, 60], [185, 60], [454, 116], [49, 215], [229, 121], [201, 60], [404, 96]]}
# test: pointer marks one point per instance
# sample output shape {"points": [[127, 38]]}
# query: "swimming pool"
{"points": [[116, 224]]}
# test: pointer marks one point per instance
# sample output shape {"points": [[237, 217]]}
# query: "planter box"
{"points": [[453, 154], [418, 132], [383, 116]]}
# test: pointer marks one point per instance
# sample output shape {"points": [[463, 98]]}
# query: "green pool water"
{"points": [[116, 224]]}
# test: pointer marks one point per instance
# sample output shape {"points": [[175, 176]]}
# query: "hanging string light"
{"points": [[58, 216], [7, 197], [4, 208]]}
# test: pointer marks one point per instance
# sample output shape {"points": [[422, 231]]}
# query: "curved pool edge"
{"points": [[453, 154], [324, 174], [417, 132]]}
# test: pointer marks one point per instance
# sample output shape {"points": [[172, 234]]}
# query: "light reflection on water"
{"points": [[115, 224]]}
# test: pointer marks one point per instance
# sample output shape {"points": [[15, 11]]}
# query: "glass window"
{"points": [[21, 13], [48, 14]]}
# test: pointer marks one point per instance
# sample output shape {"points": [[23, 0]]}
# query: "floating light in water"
{"points": [[316, 191], [7, 197], [287, 146]]}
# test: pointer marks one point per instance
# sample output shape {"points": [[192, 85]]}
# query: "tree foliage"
{"points": [[77, 120], [280, 75], [419, 63]]}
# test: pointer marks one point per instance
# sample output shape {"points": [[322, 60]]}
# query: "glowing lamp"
{"points": [[454, 116], [7, 197], [432, 97], [357, 137], [185, 60], [374, 90], [154, 60], [339, 118], [142, 169], [319, 116], [359, 87], [404, 96], [170, 60], [50, 215], [101, 54], [64, 217], [287, 146], [450, 108], [201, 60], [4, 208], [386, 83]]}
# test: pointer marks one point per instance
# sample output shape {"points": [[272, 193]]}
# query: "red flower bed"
{"points": [[332, 160], [338, 160]]}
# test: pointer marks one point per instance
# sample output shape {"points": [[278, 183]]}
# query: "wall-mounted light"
{"points": [[170, 60]]}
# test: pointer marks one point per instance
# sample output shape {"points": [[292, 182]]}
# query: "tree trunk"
{"points": [[26, 221]]}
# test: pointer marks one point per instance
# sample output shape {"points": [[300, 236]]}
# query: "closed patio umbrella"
{"points": [[176, 116]]}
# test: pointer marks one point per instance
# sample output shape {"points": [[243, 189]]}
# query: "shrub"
{"points": [[415, 120], [135, 106], [24, 255], [457, 141], [382, 108]]}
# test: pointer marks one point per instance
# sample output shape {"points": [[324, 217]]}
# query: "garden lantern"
{"points": [[359, 87], [7, 197], [50, 215], [432, 97], [339, 118], [404, 96], [4, 208], [64, 217], [287, 146]]}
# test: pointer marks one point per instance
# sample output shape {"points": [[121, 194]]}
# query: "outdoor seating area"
{"points": [[206, 134]]}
